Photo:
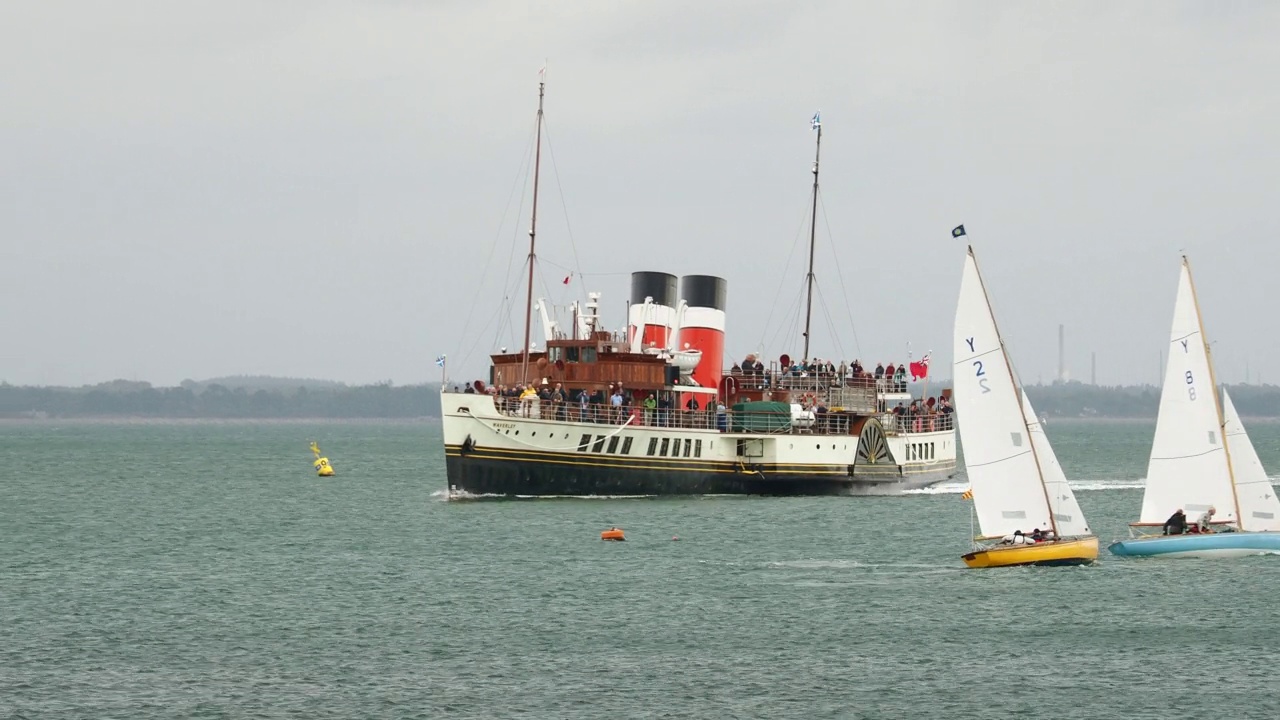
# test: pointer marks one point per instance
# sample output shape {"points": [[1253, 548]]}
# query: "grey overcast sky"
{"points": [[334, 189]]}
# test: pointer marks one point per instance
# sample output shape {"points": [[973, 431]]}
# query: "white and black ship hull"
{"points": [[489, 453]]}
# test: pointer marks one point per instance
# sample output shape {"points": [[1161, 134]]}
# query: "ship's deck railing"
{"points": [[889, 385], [815, 382], [808, 423], [799, 382], [910, 423]]}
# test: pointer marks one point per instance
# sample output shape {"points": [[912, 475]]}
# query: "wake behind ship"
{"points": [[651, 409]]}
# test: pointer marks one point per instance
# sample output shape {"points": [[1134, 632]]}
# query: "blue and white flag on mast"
{"points": [[816, 122], [440, 361]]}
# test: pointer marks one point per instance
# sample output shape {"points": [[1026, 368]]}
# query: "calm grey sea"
{"points": [[202, 571]]}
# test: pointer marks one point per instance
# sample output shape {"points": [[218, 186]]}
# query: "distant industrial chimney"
{"points": [[1093, 368], [1062, 354]]}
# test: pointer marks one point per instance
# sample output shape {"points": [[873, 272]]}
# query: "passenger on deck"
{"points": [[1203, 522], [1176, 524], [690, 418], [527, 396], [615, 400], [879, 370]]}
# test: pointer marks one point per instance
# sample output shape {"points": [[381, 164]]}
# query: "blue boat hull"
{"points": [[1213, 545]]}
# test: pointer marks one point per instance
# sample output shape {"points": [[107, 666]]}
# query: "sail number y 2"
{"points": [[1191, 388], [978, 371]]}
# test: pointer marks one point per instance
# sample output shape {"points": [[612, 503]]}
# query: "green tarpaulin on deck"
{"points": [[761, 417]]}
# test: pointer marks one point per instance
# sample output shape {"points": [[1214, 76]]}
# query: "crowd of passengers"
{"points": [[925, 415], [614, 405], [887, 378], [663, 408]]}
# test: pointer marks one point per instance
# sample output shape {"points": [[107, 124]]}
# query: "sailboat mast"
{"points": [[533, 236], [813, 226], [1213, 385], [1053, 522]]}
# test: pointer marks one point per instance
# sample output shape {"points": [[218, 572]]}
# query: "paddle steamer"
{"points": [[652, 410]]}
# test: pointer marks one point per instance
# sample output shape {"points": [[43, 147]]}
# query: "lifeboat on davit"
{"points": [[687, 360], [613, 534]]}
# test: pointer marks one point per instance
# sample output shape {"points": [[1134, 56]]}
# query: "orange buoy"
{"points": [[612, 534]]}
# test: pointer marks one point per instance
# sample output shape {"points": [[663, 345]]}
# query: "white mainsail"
{"points": [[1008, 494], [1188, 466], [1066, 511], [1259, 506]]}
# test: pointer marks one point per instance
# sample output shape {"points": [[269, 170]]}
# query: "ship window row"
{"points": [[921, 451], [669, 447], [597, 445], [675, 447], [571, 354]]}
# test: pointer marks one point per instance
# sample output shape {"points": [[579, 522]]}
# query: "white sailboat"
{"points": [[1201, 458], [1017, 485]]}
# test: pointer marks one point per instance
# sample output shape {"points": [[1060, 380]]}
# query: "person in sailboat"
{"points": [[1176, 524], [1017, 538], [1202, 523], [1037, 535]]}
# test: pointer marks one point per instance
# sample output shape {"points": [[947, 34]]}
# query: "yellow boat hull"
{"points": [[1080, 551]]}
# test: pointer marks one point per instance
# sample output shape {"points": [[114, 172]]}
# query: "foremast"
{"points": [[813, 226], [1022, 408], [533, 233]]}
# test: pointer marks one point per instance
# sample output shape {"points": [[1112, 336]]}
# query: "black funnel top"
{"points": [[658, 285], [705, 291]]}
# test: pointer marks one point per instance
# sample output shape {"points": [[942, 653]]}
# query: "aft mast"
{"points": [[533, 230], [1053, 522], [1213, 384], [813, 224]]}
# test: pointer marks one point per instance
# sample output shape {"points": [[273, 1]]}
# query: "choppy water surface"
{"points": [[201, 571]]}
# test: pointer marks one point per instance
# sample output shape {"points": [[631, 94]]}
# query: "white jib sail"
{"points": [[1259, 506], [1066, 511], [1007, 491], [1188, 465]]}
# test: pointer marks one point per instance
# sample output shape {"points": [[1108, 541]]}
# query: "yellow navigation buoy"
{"points": [[323, 468]]}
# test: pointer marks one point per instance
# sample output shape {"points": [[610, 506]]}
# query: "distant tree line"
{"points": [[122, 398], [1076, 399], [286, 398]]}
